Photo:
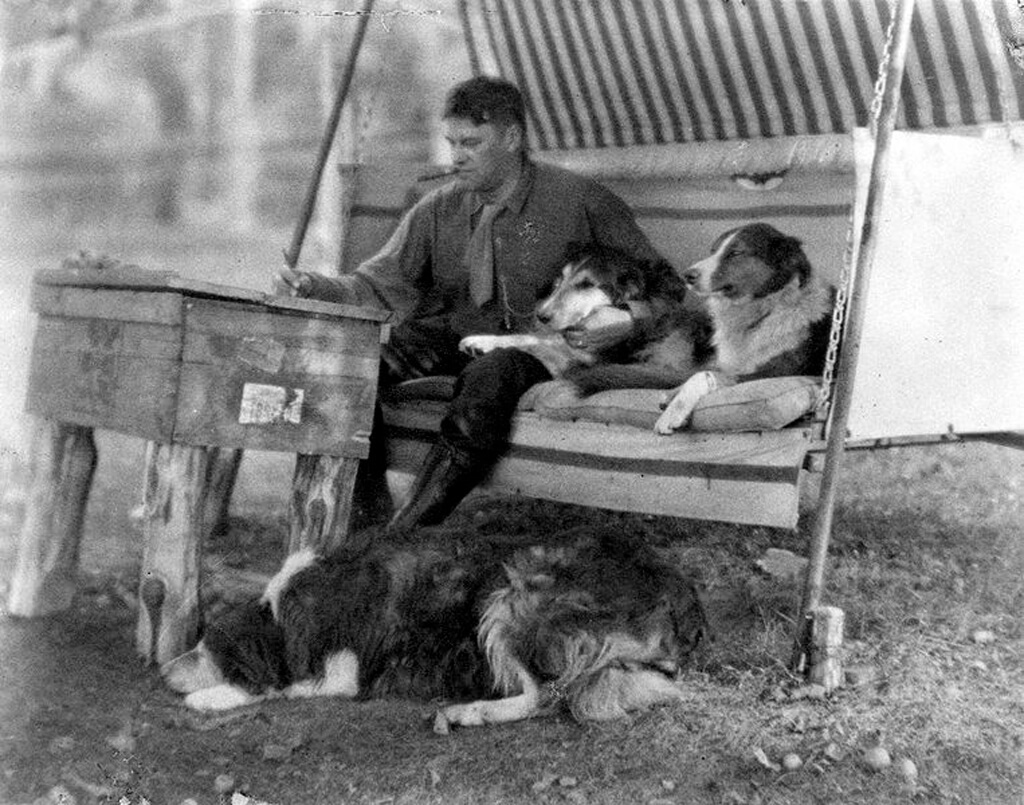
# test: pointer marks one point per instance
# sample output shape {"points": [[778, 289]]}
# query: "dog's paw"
{"points": [[675, 416], [442, 726], [462, 715], [221, 697], [669, 422], [684, 401], [479, 344]]}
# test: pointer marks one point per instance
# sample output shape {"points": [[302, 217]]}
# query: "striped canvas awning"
{"points": [[600, 73]]}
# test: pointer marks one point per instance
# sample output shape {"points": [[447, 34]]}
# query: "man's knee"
{"points": [[500, 373], [486, 395], [420, 349]]}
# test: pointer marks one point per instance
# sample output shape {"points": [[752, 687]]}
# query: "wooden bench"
{"points": [[753, 477]]}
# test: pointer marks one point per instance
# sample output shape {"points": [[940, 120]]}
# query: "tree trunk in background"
{"points": [[231, 124], [232, 128], [221, 474], [242, 132], [158, 65]]}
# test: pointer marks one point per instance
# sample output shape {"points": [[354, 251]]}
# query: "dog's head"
{"points": [[749, 262], [593, 277], [243, 647]]}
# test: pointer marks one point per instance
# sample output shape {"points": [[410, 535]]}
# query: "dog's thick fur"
{"points": [[597, 623], [771, 313], [677, 342]]}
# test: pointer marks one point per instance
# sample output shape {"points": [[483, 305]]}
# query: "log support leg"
{"points": [[63, 462], [173, 526], [321, 505], [221, 474]]}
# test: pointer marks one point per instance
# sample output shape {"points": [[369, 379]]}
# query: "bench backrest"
{"points": [[682, 215]]}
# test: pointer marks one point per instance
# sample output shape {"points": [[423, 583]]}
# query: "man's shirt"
{"points": [[421, 271]]}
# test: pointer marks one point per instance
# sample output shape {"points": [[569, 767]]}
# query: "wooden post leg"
{"points": [[63, 463], [321, 506], [173, 527], [221, 474], [826, 665]]}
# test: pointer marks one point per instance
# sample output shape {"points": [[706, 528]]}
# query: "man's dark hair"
{"points": [[486, 100]]}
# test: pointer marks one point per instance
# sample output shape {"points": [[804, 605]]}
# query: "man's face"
{"points": [[485, 155]]}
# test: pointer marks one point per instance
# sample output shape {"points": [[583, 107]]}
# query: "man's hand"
{"points": [[602, 329], [293, 283]]}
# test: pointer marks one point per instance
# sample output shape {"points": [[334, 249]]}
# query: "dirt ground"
{"points": [[84, 720]]}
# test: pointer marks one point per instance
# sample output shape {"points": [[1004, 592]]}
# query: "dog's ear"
{"points": [[716, 244], [663, 282], [790, 256], [782, 252], [547, 288], [630, 283]]}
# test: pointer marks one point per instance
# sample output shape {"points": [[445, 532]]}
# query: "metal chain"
{"points": [[838, 319], [509, 313], [846, 269], [883, 72]]}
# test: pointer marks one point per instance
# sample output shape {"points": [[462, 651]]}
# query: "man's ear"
{"points": [[513, 137]]}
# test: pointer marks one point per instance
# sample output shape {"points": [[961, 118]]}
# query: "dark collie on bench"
{"points": [[596, 623], [675, 344]]}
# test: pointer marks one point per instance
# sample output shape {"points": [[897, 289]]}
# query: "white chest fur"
{"points": [[749, 333]]}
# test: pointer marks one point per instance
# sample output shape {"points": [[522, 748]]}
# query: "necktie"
{"points": [[480, 257]]}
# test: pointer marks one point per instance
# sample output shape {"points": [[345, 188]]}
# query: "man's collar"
{"points": [[517, 200]]}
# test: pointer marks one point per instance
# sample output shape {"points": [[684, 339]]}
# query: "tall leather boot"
{"points": [[448, 474], [371, 499]]}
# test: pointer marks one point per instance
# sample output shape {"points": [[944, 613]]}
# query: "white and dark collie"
{"points": [[597, 624], [771, 315], [676, 343]]}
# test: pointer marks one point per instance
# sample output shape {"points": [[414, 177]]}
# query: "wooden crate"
{"points": [[155, 356]]}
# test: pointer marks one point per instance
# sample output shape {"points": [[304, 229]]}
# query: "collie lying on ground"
{"points": [[595, 623], [677, 342], [771, 315]]}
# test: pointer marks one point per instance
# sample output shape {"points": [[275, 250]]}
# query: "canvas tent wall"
{"points": [[950, 361]]}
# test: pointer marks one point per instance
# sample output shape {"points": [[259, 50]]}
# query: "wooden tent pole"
{"points": [[849, 353], [291, 254]]}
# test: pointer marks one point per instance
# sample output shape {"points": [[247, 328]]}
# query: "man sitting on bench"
{"points": [[474, 256]]}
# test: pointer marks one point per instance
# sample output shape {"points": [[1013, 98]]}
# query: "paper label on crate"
{"points": [[265, 405]]}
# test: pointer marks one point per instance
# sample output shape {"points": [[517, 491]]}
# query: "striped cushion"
{"points": [[767, 404]]}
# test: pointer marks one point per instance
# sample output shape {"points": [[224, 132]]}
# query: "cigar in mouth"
{"points": [[437, 173]]}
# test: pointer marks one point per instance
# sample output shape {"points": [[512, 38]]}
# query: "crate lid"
{"points": [[114, 275]]}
